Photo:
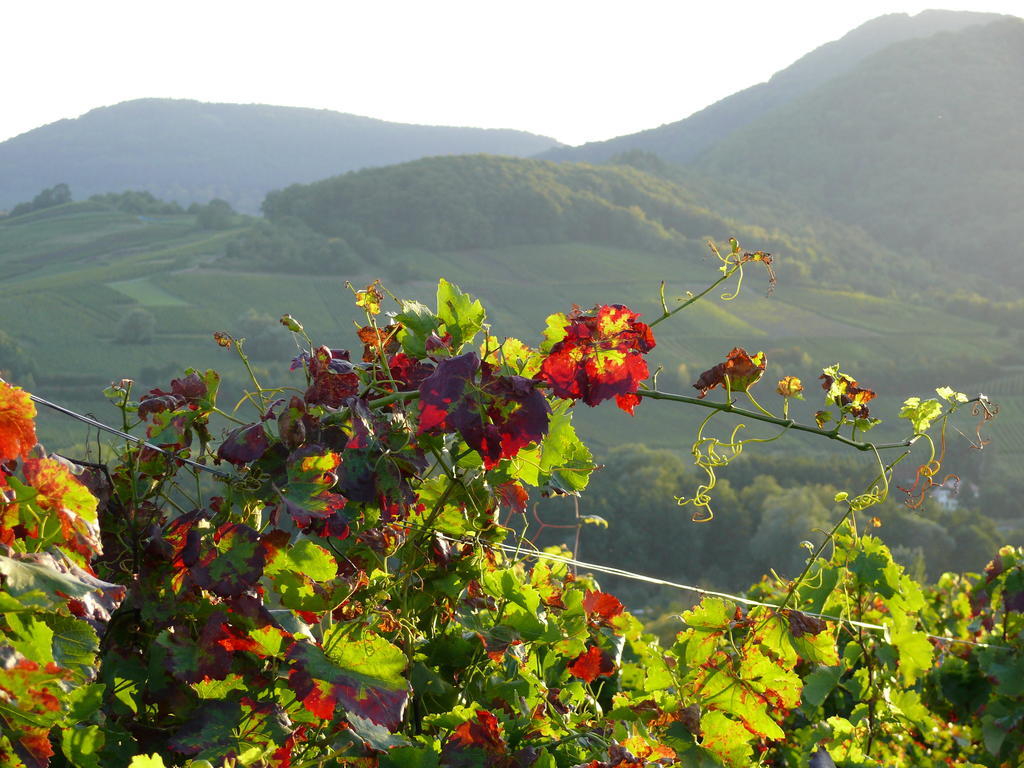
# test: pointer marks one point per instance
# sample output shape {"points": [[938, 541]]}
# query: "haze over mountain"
{"points": [[922, 145], [682, 141], [192, 151]]}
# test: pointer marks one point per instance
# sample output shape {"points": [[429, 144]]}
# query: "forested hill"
{"points": [[682, 141], [467, 202], [193, 151], [922, 145]]}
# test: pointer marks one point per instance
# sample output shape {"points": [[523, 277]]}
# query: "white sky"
{"points": [[577, 70]]}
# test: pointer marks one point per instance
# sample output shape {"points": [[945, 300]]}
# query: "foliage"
{"points": [[136, 327], [350, 591], [216, 214], [48, 198], [291, 246]]}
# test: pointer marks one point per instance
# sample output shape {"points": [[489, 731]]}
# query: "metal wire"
{"points": [[532, 553], [612, 571], [126, 436]]}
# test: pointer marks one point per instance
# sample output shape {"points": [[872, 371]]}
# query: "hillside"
{"points": [[473, 202], [192, 151], [95, 294], [922, 145], [682, 141]]}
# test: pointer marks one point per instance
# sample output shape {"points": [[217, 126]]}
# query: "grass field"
{"points": [[72, 274]]}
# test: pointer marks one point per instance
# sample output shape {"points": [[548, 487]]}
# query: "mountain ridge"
{"points": [[187, 150], [682, 141]]}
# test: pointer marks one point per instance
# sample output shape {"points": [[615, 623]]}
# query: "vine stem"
{"points": [[667, 313], [654, 394]]}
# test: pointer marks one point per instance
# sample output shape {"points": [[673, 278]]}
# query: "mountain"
{"points": [[192, 151], [682, 141], [921, 144]]}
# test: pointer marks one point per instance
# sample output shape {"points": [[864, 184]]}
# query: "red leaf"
{"points": [[483, 733], [600, 357], [850, 394], [333, 378], [497, 416], [742, 370], [376, 340], [591, 664], [244, 444], [407, 373], [601, 607], [233, 640], [17, 430], [320, 703], [514, 496]]}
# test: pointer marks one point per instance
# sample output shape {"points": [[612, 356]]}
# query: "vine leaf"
{"points": [[726, 738], [334, 378], [54, 490], [461, 315], [234, 564], [591, 664], [601, 607], [17, 428], [364, 675], [843, 391], [497, 416], [600, 355], [740, 369], [311, 473], [244, 444]]}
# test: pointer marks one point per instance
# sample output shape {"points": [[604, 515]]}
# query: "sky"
{"points": [[576, 70]]}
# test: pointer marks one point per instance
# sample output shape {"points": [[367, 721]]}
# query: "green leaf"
{"points": [[22, 576], [304, 557], [147, 761], [85, 701], [908, 704], [950, 395], [565, 462], [377, 736], [915, 653], [707, 623], [31, 636], [461, 315], [505, 584], [75, 643], [1008, 672], [371, 654], [418, 322], [710, 614], [819, 684], [412, 757], [554, 331], [81, 745], [727, 739], [218, 689], [365, 674], [920, 414], [875, 568]]}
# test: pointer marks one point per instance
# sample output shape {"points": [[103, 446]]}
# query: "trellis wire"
{"points": [[533, 553], [126, 436]]}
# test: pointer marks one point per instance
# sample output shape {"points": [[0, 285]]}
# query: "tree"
{"points": [[217, 214], [136, 327], [52, 196]]}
